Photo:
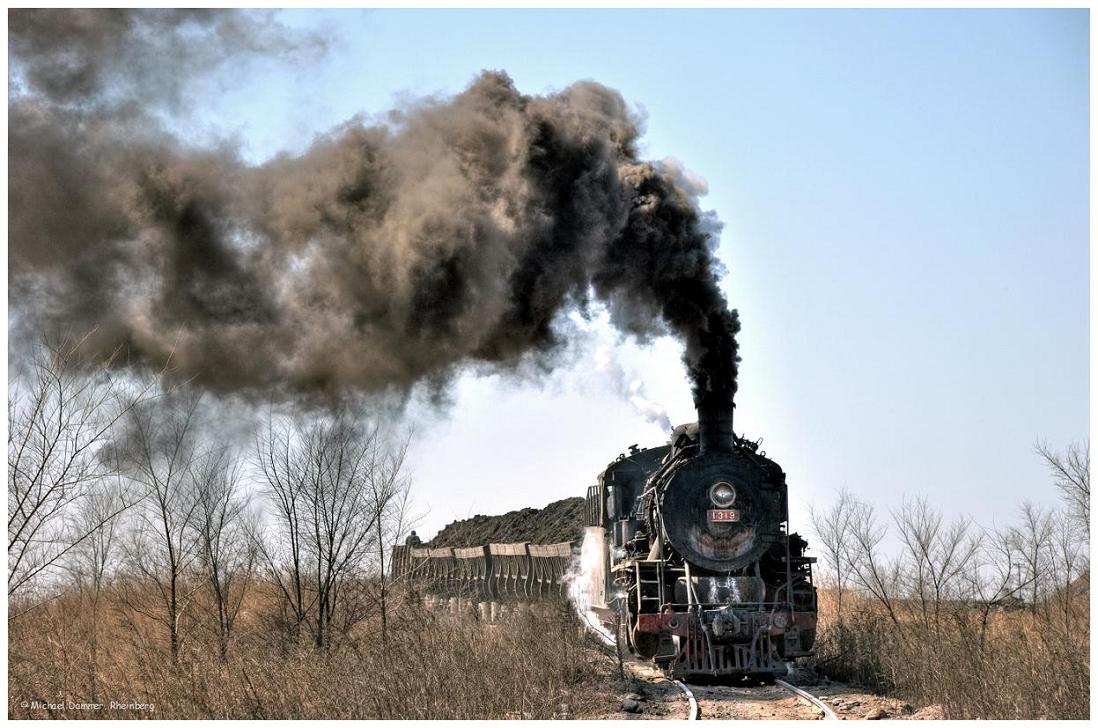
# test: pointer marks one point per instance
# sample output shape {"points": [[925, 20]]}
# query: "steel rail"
{"points": [[829, 714], [690, 697]]}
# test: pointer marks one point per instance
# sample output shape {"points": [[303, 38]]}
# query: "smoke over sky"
{"points": [[453, 232]]}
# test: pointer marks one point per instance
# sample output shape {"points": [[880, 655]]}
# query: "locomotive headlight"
{"points": [[780, 620], [722, 494]]}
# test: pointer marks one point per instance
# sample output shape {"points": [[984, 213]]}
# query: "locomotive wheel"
{"points": [[641, 644]]}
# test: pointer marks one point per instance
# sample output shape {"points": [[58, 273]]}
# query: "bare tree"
{"points": [[282, 469], [1032, 537], [100, 514], [159, 451], [318, 479], [1071, 476], [90, 562], [389, 497], [58, 422], [833, 533], [870, 570], [993, 576], [226, 553], [1067, 557], [937, 556], [338, 512], [955, 613]]}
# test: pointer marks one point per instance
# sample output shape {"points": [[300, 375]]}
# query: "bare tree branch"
{"points": [[1071, 476], [57, 430]]}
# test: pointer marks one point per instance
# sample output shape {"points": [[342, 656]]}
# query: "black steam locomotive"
{"points": [[699, 571]]}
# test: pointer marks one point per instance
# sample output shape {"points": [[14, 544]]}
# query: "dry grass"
{"points": [[534, 663], [1019, 664]]}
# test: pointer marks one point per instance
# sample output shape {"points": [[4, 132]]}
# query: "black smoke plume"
{"points": [[455, 232]]}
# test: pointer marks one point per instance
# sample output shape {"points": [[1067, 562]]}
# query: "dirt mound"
{"points": [[559, 521]]}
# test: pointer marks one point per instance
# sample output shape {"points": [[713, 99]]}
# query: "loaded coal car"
{"points": [[699, 571]]}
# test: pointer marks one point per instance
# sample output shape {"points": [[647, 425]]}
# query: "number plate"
{"points": [[724, 515]]}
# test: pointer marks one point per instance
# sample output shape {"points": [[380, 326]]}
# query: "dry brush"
{"points": [[987, 623]]}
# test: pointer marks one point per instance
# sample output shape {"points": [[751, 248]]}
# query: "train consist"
{"points": [[686, 555], [497, 571]]}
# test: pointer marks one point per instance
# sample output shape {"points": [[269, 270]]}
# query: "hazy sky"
{"points": [[905, 199]]}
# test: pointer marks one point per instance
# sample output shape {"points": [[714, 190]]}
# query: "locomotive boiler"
{"points": [[699, 570]]}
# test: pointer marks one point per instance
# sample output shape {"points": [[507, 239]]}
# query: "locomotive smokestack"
{"points": [[711, 359], [715, 427]]}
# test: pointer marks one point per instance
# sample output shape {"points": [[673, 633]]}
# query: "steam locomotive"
{"points": [[699, 571]]}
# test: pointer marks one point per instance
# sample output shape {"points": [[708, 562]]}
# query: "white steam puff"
{"points": [[586, 578], [629, 387]]}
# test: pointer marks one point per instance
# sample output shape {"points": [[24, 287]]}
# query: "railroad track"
{"points": [[724, 702], [829, 714], [646, 672], [721, 702], [693, 714]]}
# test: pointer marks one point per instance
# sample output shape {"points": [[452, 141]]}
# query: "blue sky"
{"points": [[905, 198]]}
